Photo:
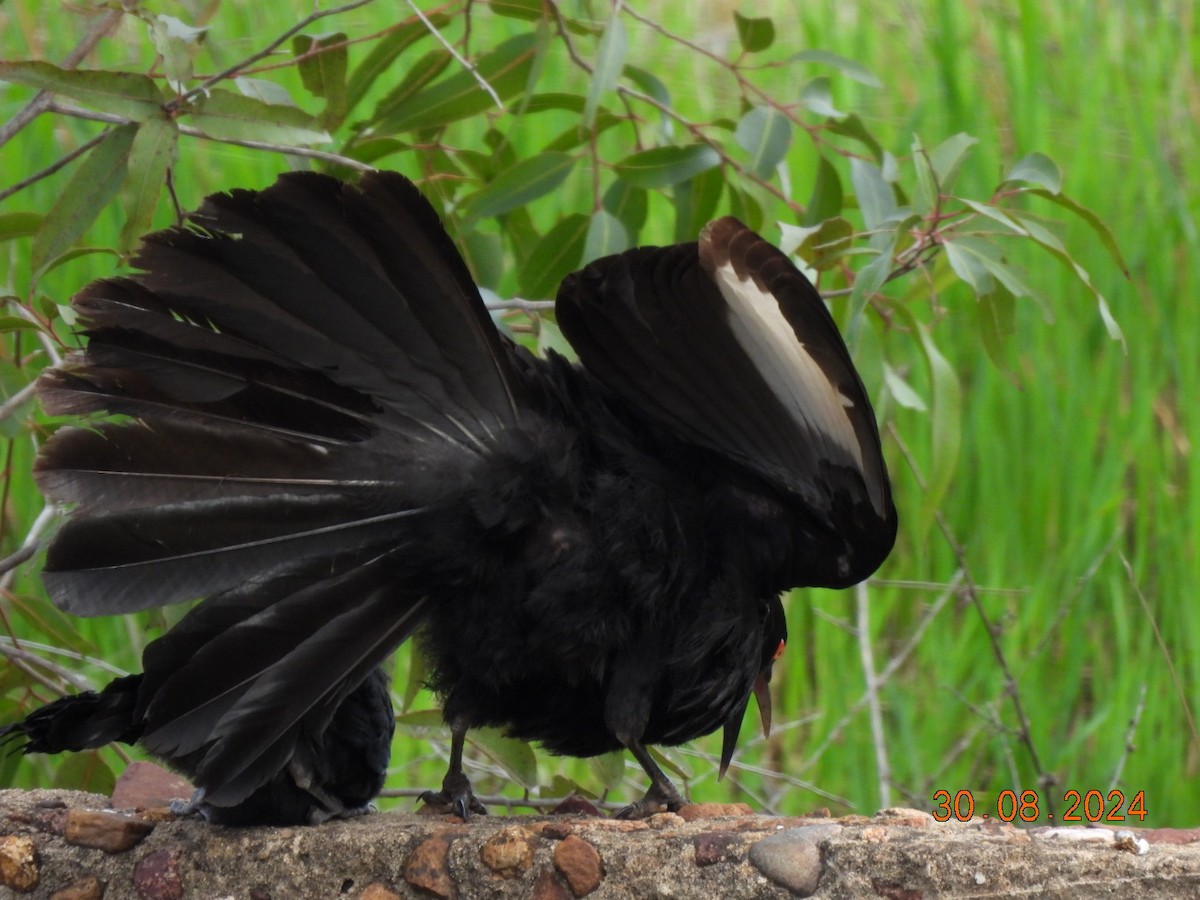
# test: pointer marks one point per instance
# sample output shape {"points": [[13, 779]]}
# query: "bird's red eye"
{"points": [[778, 651]]}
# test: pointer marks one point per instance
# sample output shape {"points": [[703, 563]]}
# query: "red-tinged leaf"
{"points": [[460, 96], [555, 256], [150, 155], [120, 93], [755, 34], [665, 166], [95, 182], [224, 115], [518, 185]]}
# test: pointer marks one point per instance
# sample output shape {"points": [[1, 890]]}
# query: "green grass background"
{"points": [[1075, 501]]}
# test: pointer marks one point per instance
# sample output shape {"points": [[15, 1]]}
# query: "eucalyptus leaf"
{"points": [[665, 166], [755, 34], [127, 94], [1036, 169], [521, 183], [610, 60], [605, 236], [224, 115], [847, 67], [765, 133], [556, 255], [150, 156]]}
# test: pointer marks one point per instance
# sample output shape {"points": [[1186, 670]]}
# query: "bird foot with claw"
{"points": [[455, 797], [657, 800]]}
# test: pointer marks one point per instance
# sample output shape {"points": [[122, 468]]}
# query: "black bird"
{"points": [[301, 412]]}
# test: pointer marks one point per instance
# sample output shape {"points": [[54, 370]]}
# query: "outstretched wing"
{"points": [[727, 344]]}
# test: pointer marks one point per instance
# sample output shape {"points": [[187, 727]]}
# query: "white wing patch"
{"points": [[792, 374]]}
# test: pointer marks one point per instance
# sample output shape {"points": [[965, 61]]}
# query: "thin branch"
{"points": [[204, 86], [458, 57], [42, 99], [56, 165], [12, 404], [336, 158]]}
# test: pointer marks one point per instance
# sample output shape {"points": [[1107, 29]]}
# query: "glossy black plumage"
{"points": [[332, 444]]}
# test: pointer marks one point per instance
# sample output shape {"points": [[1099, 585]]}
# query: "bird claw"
{"points": [[455, 797], [658, 799]]}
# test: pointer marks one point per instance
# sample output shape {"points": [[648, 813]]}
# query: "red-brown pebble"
{"points": [[104, 830], [580, 864], [716, 846], [377, 890], [427, 866], [549, 886], [144, 785], [156, 877], [574, 805]]}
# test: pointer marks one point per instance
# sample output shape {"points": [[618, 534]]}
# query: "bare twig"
{"points": [[1130, 747], [12, 404]]}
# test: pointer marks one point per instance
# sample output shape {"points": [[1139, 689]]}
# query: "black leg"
{"points": [[662, 796], [456, 795]]}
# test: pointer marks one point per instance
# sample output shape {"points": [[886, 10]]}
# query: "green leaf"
{"points": [[550, 337], [696, 202], [556, 255], [629, 204], [416, 77], [610, 60], [177, 43], [743, 206], [765, 133], [1037, 169], [460, 96], [969, 267], [817, 96], [323, 73], [264, 91], [86, 771], [16, 323], [513, 756], [825, 202], [664, 166], [525, 10], [868, 281], [518, 185], [608, 769], [1094, 221], [945, 419], [824, 245], [150, 156], [74, 253], [605, 236], [95, 182], [126, 94], [19, 224], [1050, 242], [947, 158], [996, 214], [852, 127], [847, 67], [996, 313], [381, 61], [875, 197], [484, 253], [925, 198], [226, 116], [902, 391], [755, 34]]}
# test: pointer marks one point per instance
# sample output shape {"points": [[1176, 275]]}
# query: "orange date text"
{"points": [[1092, 806]]}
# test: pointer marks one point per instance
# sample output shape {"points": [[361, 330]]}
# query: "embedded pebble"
{"points": [[87, 888], [156, 877], [792, 858], [426, 867], [580, 864], [102, 829], [19, 868], [509, 852]]}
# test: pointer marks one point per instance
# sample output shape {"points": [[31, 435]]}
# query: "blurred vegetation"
{"points": [[959, 176]]}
